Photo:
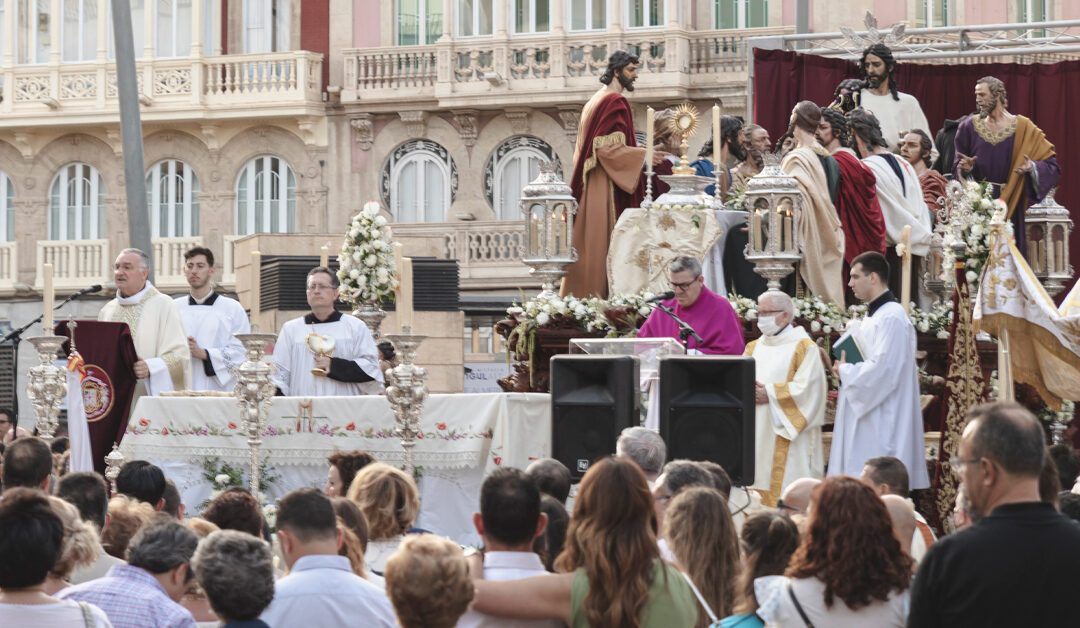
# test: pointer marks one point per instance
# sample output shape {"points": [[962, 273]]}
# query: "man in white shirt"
{"points": [[348, 362], [509, 520], [210, 321], [321, 589]]}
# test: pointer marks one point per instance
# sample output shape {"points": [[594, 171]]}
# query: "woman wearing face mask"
{"points": [[790, 395]]}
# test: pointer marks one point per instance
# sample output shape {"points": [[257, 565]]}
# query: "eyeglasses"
{"points": [[685, 285], [780, 505], [319, 286]]}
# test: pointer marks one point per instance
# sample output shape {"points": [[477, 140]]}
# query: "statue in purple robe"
{"points": [[1006, 150]]}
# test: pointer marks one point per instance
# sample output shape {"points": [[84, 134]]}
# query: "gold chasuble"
{"points": [[788, 427]]}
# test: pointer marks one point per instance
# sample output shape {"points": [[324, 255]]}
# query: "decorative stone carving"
{"points": [[365, 130], [213, 143], [22, 142], [571, 118], [116, 143], [415, 122], [519, 120], [466, 122], [306, 125]]}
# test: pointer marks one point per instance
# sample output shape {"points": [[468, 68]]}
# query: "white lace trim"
{"points": [[300, 457]]}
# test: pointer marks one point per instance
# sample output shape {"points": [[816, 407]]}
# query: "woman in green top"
{"points": [[611, 574]]}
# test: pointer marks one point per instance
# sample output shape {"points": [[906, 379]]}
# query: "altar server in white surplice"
{"points": [[160, 341], [210, 320], [790, 395], [878, 412], [353, 366]]}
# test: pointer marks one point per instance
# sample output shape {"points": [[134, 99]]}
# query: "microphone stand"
{"points": [[15, 336], [685, 330]]}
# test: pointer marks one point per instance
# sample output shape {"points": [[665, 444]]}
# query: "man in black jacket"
{"points": [[1017, 565]]}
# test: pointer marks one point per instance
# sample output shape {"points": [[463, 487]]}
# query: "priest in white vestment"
{"points": [[878, 411], [344, 353], [156, 327], [210, 320], [790, 395]]}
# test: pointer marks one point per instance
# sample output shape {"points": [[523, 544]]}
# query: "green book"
{"points": [[850, 346]]}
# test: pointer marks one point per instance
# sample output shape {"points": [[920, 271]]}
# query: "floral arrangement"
{"points": [[367, 258], [976, 213], [827, 317], [222, 476], [736, 196]]}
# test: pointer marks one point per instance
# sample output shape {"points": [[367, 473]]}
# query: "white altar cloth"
{"points": [[465, 436]]}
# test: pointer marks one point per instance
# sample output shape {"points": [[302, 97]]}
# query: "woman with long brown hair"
{"points": [[611, 574], [849, 569], [699, 530]]}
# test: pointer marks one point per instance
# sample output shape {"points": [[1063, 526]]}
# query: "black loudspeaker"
{"points": [[593, 398], [707, 411]]}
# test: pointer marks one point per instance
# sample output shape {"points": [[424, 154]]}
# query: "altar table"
{"points": [[464, 437]]}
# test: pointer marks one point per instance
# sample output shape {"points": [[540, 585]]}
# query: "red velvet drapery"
{"points": [[1049, 94]]}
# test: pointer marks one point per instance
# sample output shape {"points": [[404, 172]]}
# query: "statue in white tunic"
{"points": [[326, 353], [210, 320], [160, 341]]}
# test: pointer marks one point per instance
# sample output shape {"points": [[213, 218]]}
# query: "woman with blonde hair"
{"points": [[78, 549], [611, 574], [699, 530], [427, 581], [126, 517], [390, 502]]}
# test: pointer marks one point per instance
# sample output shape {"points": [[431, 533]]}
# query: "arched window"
{"points": [[513, 165], [77, 204], [172, 194], [266, 197], [419, 182], [7, 208]]}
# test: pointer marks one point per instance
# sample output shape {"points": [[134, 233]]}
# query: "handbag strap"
{"points": [[88, 616], [700, 598], [798, 607]]}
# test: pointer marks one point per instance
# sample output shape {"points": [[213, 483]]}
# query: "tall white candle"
{"points": [[650, 131], [324, 256], [405, 307], [716, 137], [256, 278], [48, 296]]}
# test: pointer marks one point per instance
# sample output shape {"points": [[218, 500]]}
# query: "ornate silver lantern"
{"points": [[1048, 227], [774, 201], [549, 208], [47, 387]]}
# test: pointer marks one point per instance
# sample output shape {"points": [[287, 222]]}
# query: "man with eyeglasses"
{"points": [[326, 353], [790, 395], [709, 314], [1018, 565]]}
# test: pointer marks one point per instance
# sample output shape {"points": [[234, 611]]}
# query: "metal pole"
{"points": [[127, 88]]}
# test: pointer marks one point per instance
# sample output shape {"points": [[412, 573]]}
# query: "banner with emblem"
{"points": [[1043, 339], [104, 358]]}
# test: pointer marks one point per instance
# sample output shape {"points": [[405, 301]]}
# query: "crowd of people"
{"points": [[642, 542]]}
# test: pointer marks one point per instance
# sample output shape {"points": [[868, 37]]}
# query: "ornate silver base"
{"points": [[686, 189], [773, 267], [253, 392], [549, 272], [406, 391], [47, 387], [114, 461], [372, 315]]}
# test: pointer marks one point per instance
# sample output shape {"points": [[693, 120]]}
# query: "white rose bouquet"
{"points": [[367, 258], [976, 233]]}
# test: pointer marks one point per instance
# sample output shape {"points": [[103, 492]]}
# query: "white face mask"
{"points": [[767, 325]]}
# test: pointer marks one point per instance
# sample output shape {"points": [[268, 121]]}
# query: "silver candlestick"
{"points": [[47, 386], [253, 391], [406, 391], [113, 463], [372, 315]]}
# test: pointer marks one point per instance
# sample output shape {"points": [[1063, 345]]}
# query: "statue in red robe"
{"points": [[607, 176]]}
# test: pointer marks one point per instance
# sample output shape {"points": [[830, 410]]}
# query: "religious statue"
{"points": [[897, 112]]}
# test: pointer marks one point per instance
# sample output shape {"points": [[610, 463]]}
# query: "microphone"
{"points": [[661, 297], [94, 288]]}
